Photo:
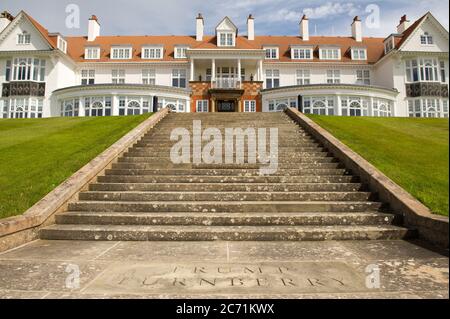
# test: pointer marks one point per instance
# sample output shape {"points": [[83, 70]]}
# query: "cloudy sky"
{"points": [[274, 17]]}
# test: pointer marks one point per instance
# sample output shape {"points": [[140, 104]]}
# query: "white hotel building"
{"points": [[45, 74]]}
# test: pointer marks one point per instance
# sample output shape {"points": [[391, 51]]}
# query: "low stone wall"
{"points": [[18, 230], [432, 228]]}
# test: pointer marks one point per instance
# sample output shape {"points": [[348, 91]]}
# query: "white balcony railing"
{"points": [[226, 83]]}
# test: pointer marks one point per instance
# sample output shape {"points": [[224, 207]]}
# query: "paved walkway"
{"points": [[353, 269]]}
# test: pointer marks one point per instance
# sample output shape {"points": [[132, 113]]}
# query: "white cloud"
{"points": [[331, 9]]}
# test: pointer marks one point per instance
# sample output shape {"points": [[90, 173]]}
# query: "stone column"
{"points": [[239, 72], [213, 105], [192, 70], [213, 70], [338, 105]]}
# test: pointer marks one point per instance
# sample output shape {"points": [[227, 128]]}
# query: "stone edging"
{"points": [[432, 228], [17, 230]]}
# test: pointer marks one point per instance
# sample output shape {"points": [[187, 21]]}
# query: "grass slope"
{"points": [[412, 152], [36, 155]]}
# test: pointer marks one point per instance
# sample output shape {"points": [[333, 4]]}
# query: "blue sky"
{"points": [[272, 17]]}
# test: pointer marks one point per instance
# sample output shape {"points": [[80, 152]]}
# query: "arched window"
{"points": [[319, 108], [97, 108], [355, 108], [19, 113], [172, 107], [384, 110], [68, 110], [134, 108], [281, 107]]}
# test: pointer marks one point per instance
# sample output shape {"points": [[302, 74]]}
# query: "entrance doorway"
{"points": [[226, 106]]}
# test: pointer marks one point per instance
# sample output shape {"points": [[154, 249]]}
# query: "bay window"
{"points": [[422, 70], [25, 69]]}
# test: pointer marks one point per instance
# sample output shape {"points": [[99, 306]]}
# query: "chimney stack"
{"points": [[404, 24], [251, 28], [357, 29], [5, 19], [200, 27], [93, 28], [304, 28]]}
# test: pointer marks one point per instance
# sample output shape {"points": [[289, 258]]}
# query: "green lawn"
{"points": [[36, 155], [412, 152]]}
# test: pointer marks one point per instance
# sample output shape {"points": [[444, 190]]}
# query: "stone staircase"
{"points": [[144, 196]]}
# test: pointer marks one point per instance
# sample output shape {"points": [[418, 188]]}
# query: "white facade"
{"points": [[44, 74]]}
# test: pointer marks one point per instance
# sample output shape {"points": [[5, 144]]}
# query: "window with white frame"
{"points": [[354, 106], [92, 53], [149, 76], [23, 108], [330, 54], [98, 106], [323, 105], [120, 53], [8, 69], [363, 77], [62, 44], [271, 53], [202, 106], [443, 71], [388, 44], [249, 106], [24, 38], [422, 70], [25, 69], [333, 76], [428, 107], [180, 52], [70, 107], [226, 39], [303, 77], [179, 78], [382, 108], [135, 105], [359, 54], [118, 76], [301, 53], [426, 39], [152, 52], [87, 77], [272, 79]]}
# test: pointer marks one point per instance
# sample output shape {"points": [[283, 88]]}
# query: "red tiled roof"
{"points": [[410, 30]]}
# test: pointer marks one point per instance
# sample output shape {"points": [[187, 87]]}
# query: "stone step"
{"points": [[294, 155], [210, 233], [281, 149], [224, 206], [158, 143], [222, 166], [281, 160], [226, 172], [136, 196], [226, 219], [222, 187], [226, 179]]}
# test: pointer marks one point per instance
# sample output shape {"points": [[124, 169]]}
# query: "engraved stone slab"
{"points": [[231, 278]]}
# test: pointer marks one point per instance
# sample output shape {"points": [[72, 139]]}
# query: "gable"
{"points": [[433, 28], [8, 38], [226, 25]]}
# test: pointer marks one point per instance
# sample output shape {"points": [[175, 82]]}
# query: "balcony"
{"points": [[23, 88], [434, 89], [226, 83]]}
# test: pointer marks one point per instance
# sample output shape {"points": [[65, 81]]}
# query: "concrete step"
{"points": [[166, 154], [209, 233], [281, 149], [166, 143], [136, 196], [222, 166], [224, 206], [222, 187], [226, 219], [225, 172], [226, 179]]}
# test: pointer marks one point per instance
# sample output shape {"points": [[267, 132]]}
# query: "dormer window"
{"points": [[92, 53], [152, 52], [24, 38], [271, 53], [301, 53], [121, 53], [62, 44], [388, 44], [426, 39], [330, 53], [226, 39], [359, 54], [180, 52]]}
